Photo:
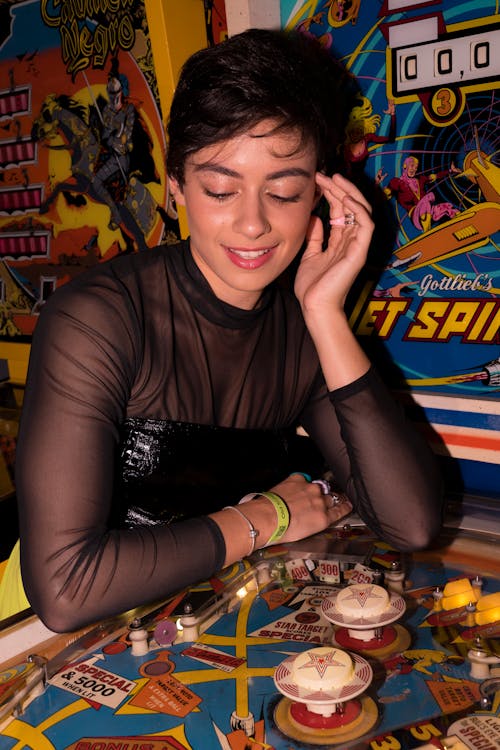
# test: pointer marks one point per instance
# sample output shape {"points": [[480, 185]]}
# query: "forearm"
{"points": [[98, 576], [379, 460], [236, 532], [341, 357], [77, 565], [392, 474]]}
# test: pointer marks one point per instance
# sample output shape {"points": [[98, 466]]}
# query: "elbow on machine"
{"points": [[58, 613], [416, 535]]}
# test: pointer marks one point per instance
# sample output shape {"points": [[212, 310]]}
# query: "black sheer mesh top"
{"points": [[150, 403]]}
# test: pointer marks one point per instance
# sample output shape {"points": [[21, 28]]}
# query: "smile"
{"points": [[249, 254], [249, 260]]}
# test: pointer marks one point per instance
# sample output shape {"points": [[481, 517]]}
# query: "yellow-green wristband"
{"points": [[282, 513]]}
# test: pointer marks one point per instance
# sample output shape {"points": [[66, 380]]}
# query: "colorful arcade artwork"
{"points": [[424, 135], [82, 150], [343, 644], [423, 142]]}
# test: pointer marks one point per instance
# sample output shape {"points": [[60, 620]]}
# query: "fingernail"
{"points": [[307, 477]]}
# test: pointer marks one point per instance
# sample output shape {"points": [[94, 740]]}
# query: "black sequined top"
{"points": [[150, 401]]}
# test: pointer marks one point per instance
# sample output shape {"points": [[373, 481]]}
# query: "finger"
{"points": [[300, 476], [314, 238], [362, 220], [341, 186], [354, 237], [354, 214], [333, 197], [324, 485], [333, 499], [340, 510], [348, 206]]}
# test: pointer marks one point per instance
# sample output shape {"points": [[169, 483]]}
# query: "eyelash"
{"points": [[217, 196], [220, 197], [282, 199]]}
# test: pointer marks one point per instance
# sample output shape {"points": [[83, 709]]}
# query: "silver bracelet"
{"points": [[247, 498], [252, 531]]}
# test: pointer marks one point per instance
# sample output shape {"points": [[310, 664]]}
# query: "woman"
{"points": [[165, 385]]}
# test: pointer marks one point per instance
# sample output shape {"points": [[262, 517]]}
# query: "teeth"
{"points": [[249, 254]]}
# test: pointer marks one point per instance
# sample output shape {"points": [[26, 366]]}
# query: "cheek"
{"points": [[298, 215], [300, 220], [201, 217], [295, 230]]}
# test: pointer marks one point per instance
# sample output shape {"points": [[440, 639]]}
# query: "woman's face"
{"points": [[248, 202]]}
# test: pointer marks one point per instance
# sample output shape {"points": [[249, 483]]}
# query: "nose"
{"points": [[251, 219]]}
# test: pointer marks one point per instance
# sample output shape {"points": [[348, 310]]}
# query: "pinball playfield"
{"points": [[337, 641]]}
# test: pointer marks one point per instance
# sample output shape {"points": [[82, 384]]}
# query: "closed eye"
{"points": [[217, 196], [222, 196], [285, 198]]}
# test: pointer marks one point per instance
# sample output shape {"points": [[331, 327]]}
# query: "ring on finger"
{"points": [[334, 500], [324, 484], [343, 221]]}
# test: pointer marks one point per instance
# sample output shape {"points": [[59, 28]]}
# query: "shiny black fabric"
{"points": [[202, 466]]}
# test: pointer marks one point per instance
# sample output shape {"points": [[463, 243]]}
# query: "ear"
{"points": [[176, 191]]}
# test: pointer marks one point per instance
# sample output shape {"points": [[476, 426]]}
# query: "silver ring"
{"points": [[324, 484], [334, 500], [347, 220]]}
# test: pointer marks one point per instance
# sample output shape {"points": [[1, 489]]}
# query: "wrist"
{"points": [[282, 517], [253, 533], [341, 357], [270, 514], [326, 320]]}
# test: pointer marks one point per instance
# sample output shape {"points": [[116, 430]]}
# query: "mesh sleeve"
{"points": [[381, 462], [76, 568]]}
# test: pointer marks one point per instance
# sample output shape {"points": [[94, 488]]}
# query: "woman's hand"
{"points": [[310, 510], [324, 277]]}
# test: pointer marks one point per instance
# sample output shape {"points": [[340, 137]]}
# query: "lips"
{"points": [[249, 259], [249, 254]]}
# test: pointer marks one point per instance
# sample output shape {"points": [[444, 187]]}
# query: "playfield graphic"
{"points": [[82, 149], [228, 676], [423, 142]]}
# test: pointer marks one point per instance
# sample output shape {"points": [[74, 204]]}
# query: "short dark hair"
{"points": [[257, 75]]}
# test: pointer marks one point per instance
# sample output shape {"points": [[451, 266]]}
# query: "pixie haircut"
{"points": [[286, 77]]}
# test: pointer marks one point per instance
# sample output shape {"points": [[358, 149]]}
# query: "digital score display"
{"points": [[439, 67], [461, 60]]}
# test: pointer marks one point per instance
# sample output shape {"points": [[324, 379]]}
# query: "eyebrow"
{"points": [[278, 175]]}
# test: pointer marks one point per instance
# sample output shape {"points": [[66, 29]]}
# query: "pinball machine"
{"points": [[339, 641], [336, 641]]}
